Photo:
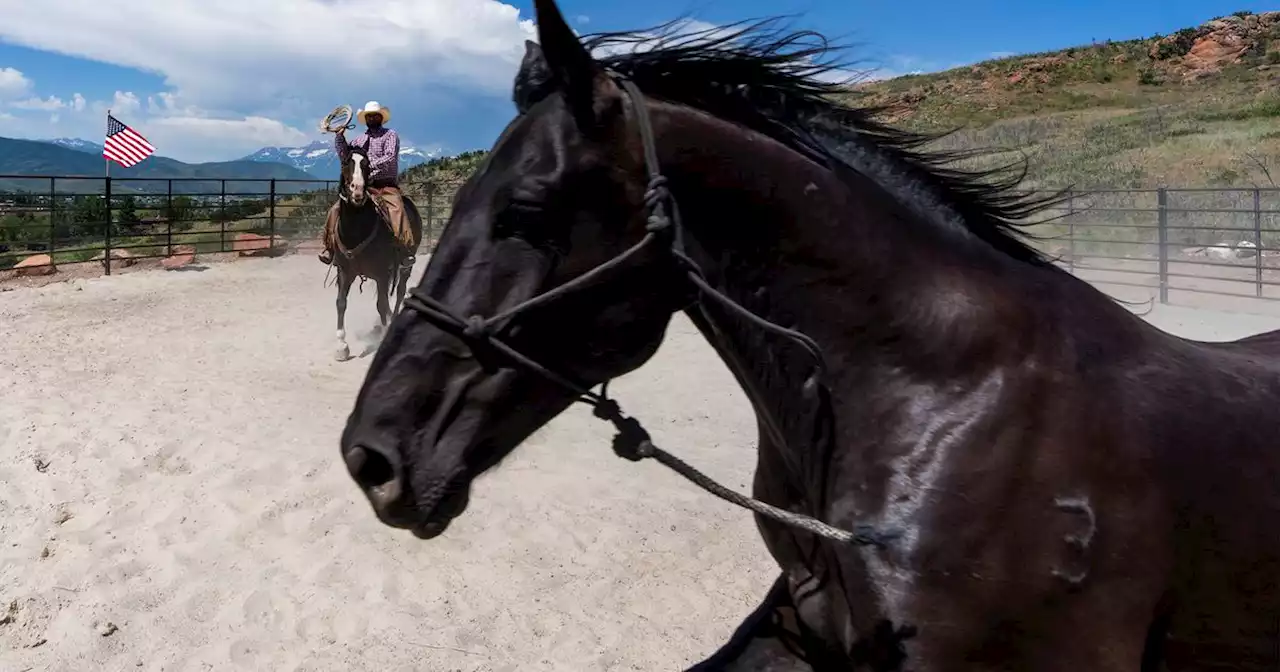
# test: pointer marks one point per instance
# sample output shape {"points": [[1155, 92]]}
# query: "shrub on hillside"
{"points": [[1176, 45]]}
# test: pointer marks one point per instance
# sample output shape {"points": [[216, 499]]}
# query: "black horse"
{"points": [[365, 246], [1028, 476]]}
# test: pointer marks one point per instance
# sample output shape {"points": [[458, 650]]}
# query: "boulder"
{"points": [[40, 264], [254, 245], [182, 255], [177, 261], [119, 258], [1213, 51]]}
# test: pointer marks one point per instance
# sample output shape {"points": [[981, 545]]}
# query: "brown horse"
{"points": [[1015, 472], [365, 246]]}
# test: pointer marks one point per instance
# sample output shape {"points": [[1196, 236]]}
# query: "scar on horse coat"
{"points": [[1076, 489]]}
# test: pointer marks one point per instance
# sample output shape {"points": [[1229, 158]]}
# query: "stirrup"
{"points": [[326, 256], [408, 261]]}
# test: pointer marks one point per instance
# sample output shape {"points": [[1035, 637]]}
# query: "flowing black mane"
{"points": [[781, 83]]}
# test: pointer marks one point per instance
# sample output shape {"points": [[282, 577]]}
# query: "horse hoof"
{"points": [[342, 354]]}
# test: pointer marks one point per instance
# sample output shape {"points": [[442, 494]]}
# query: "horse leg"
{"points": [[343, 352], [402, 285], [760, 644], [384, 303]]}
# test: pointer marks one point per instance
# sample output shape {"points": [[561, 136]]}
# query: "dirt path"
{"points": [[171, 499]]}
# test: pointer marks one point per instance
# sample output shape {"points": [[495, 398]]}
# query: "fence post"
{"points": [[168, 218], [431, 209], [271, 213], [53, 217], [1257, 238], [106, 240], [1162, 225], [222, 217], [1071, 230]]}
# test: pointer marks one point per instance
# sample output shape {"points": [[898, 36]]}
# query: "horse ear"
{"points": [[569, 62], [534, 80]]}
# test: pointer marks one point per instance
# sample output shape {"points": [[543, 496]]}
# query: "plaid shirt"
{"points": [[382, 146]]}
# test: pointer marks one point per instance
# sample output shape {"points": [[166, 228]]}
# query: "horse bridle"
{"points": [[632, 442], [377, 207]]}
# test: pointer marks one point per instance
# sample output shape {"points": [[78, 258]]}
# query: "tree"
{"points": [[180, 210], [126, 215], [89, 212]]}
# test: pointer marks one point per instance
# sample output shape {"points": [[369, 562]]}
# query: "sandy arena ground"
{"points": [[171, 498]]}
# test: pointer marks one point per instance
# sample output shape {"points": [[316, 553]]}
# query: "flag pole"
{"points": [[105, 159]]}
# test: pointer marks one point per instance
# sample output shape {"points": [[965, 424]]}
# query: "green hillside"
{"points": [[27, 157], [445, 168], [1197, 108]]}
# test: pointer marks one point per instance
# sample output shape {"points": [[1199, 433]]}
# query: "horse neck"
{"points": [[355, 221], [834, 256]]}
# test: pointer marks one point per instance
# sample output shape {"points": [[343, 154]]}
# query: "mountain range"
{"points": [[319, 160], [81, 158], [316, 159]]}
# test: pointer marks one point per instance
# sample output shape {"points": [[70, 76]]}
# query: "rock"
{"points": [[1220, 251], [177, 261], [106, 629], [254, 245], [1211, 52], [40, 264], [119, 258], [1245, 249]]}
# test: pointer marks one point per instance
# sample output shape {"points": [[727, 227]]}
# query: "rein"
{"points": [[632, 442]]}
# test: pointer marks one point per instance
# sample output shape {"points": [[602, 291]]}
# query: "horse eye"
{"points": [[519, 217]]}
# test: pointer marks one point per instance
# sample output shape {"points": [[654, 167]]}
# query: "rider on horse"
{"points": [[382, 146]]}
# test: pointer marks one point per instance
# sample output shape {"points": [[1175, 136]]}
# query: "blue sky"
{"points": [[214, 81]]}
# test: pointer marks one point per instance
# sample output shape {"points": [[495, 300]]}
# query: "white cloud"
{"points": [[245, 135], [13, 84], [36, 103], [582, 18], [124, 102], [258, 57], [183, 132]]}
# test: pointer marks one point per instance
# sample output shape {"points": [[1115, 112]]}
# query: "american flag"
{"points": [[124, 145]]}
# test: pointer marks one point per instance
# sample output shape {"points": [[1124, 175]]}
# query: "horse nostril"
{"points": [[369, 468]]}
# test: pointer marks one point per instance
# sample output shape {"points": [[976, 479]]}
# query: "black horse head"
{"points": [[743, 124]]}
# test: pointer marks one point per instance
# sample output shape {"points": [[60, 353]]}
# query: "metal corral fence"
{"points": [[79, 219], [1208, 241]]}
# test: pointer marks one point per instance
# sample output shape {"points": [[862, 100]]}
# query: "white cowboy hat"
{"points": [[374, 107]]}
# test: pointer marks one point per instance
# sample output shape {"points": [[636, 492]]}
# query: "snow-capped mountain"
{"points": [[77, 144], [319, 159]]}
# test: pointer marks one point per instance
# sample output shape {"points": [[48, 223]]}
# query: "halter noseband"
{"points": [[632, 442]]}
